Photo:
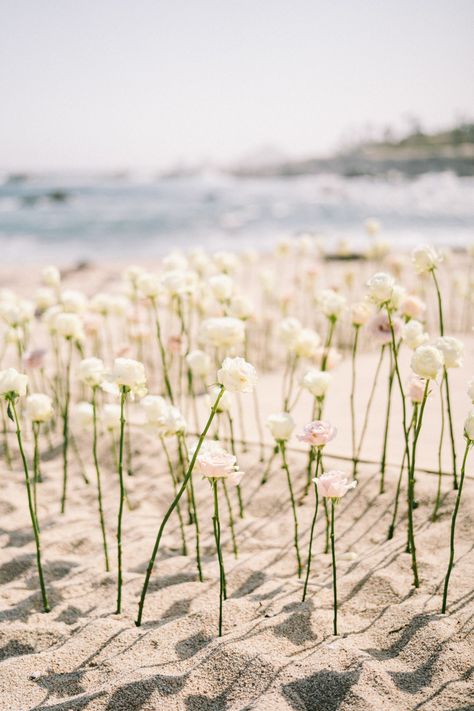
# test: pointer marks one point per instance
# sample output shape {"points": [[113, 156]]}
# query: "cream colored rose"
{"points": [[281, 425], [39, 407], [427, 362], [236, 375], [12, 382], [91, 371], [452, 350]]}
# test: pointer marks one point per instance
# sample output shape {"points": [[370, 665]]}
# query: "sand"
{"points": [[395, 650]]}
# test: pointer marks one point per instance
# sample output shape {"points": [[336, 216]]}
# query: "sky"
{"points": [[117, 84]]}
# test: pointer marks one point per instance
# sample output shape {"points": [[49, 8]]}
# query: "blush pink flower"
{"points": [[34, 359], [318, 433], [416, 388], [215, 462], [378, 328], [334, 484]]}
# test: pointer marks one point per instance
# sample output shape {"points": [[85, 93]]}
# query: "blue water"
{"points": [[138, 217]]}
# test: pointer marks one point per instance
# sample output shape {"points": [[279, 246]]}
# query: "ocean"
{"points": [[65, 218]]}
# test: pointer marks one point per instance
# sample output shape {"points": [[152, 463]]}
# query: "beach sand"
{"points": [[395, 650]]}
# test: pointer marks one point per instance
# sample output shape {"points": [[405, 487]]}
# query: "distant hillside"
{"points": [[415, 154]]}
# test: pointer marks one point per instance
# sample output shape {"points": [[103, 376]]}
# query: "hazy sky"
{"points": [[145, 83]]}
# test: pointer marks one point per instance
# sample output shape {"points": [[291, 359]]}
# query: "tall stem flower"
{"points": [[217, 535], [12, 386], [469, 434], [65, 413], [313, 523], [281, 444]]}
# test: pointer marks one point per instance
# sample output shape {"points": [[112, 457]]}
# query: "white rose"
{"points": [[175, 261], [111, 416], [83, 414], [331, 303], [225, 402], [129, 373], [241, 308], [51, 276], [288, 330], [412, 306], [73, 301], [425, 259], [199, 363], [149, 285], [306, 343], [39, 407], [413, 334], [224, 332], [360, 313], [281, 425], [469, 426], [102, 303], [11, 381], [317, 382], [173, 423], [380, 287], [69, 326], [91, 371], [452, 350], [398, 294], [155, 408], [221, 286], [179, 281], [44, 298], [427, 361], [226, 261], [236, 375]]}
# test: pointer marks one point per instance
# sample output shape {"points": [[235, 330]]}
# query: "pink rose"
{"points": [[379, 328], [214, 462], [318, 433], [413, 307], [416, 388], [334, 484]]}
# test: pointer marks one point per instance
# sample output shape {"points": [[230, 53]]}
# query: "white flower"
{"points": [[425, 259], [236, 375], [306, 343], [427, 361], [129, 373], [12, 382], [101, 303], [149, 285], [288, 330], [221, 286], [44, 298], [69, 325], [167, 419], [413, 334], [331, 303], [372, 226], [281, 425], [214, 462], [470, 390], [178, 282], [83, 414], [317, 382], [241, 307], [380, 287], [73, 301], [361, 311], [174, 422], [199, 363], [175, 261], [469, 426], [225, 401], [132, 275], [452, 350], [334, 484], [111, 416], [412, 306], [92, 371], [50, 276], [39, 407], [226, 261], [224, 332], [398, 294], [155, 408]]}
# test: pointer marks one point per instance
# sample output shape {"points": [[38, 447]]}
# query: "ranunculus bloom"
{"points": [[69, 325], [318, 433], [452, 350], [427, 361], [51, 276], [214, 462], [306, 343], [236, 375], [221, 286], [110, 416], [378, 328], [130, 374], [334, 484], [13, 382], [39, 407], [199, 363], [425, 259], [380, 288], [91, 371], [469, 426], [281, 425], [412, 306], [413, 334], [225, 401], [416, 388], [83, 414], [331, 303], [360, 313], [288, 330], [223, 332], [317, 382]]}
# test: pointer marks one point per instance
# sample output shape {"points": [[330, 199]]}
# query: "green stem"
{"points": [[385, 437], [99, 485], [281, 444], [173, 506], [313, 524], [232, 446], [231, 519], [334, 572], [6, 446], [453, 527], [164, 364], [369, 406], [217, 536], [66, 426], [34, 521], [123, 397], [434, 515], [184, 547], [194, 509], [353, 386]]}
